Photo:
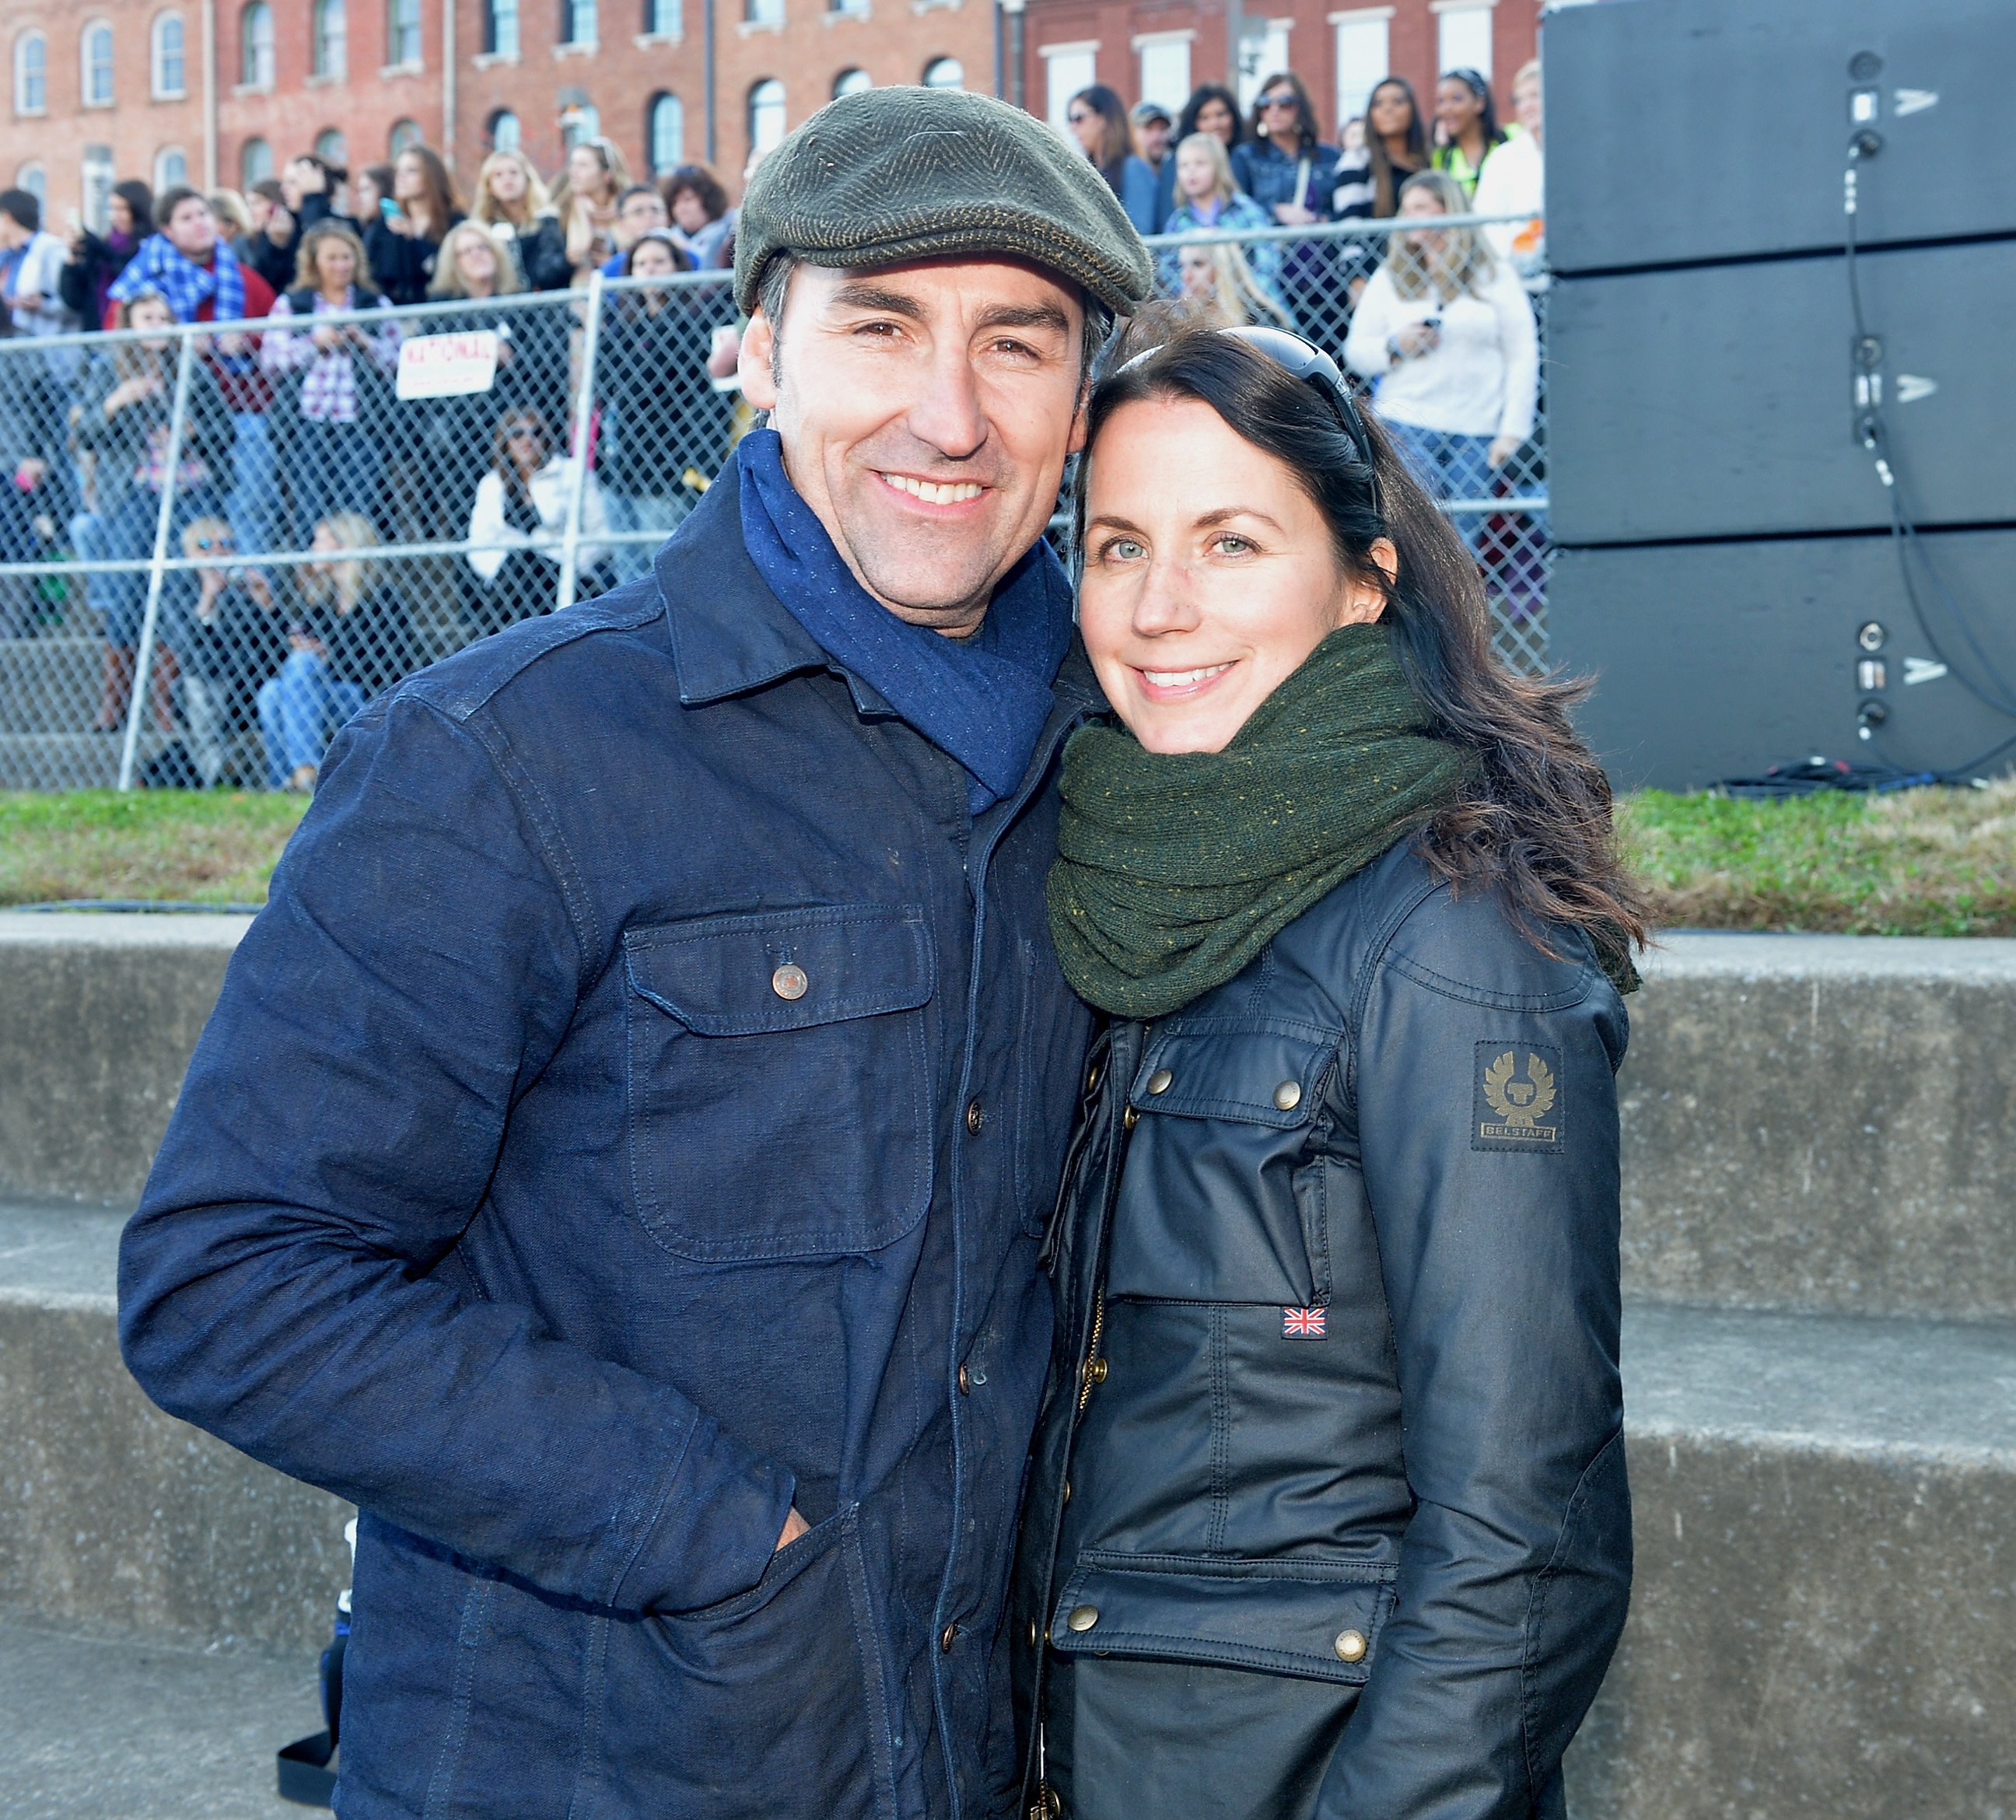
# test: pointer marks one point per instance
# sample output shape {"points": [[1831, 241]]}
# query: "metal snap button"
{"points": [[1288, 1095], [1350, 1645], [1092, 1077], [1128, 1118], [965, 1381], [948, 1636], [1159, 1082], [790, 982], [976, 1117], [1083, 1618]]}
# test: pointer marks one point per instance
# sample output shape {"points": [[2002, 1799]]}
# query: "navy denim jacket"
{"points": [[637, 1110]]}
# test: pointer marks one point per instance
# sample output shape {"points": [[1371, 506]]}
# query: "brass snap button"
{"points": [[976, 1117], [1128, 1118], [1046, 1806], [948, 1636], [965, 1381], [1350, 1645], [1159, 1082], [1083, 1618], [1095, 1371], [1092, 1077], [1033, 1633], [1288, 1095], [789, 981]]}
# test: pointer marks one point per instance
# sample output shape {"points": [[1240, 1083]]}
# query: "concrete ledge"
{"points": [[1823, 1622], [98, 1016], [1823, 1122]]}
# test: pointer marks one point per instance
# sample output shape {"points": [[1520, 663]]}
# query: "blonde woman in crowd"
{"points": [[1208, 196], [513, 201], [595, 178], [1219, 288], [1444, 330]]}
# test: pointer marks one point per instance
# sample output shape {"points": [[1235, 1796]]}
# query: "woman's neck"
{"points": [[1206, 207], [1472, 143], [1397, 151], [1289, 143]]}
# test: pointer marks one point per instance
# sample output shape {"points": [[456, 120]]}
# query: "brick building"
{"points": [[225, 90], [1160, 49]]}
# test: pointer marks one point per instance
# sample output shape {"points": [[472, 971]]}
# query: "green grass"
{"points": [[1919, 862]]}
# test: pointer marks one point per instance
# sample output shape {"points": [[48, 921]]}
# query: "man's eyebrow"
{"points": [[1026, 316], [864, 296]]}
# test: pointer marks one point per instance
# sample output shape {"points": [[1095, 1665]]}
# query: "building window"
{"points": [[1263, 52], [255, 45], [34, 180], [851, 82], [255, 163], [1363, 61], [96, 59], [766, 115], [170, 168], [402, 31], [329, 39], [1165, 70], [170, 72], [98, 188], [662, 18], [504, 131], [1066, 69], [944, 73], [331, 146], [500, 28], [763, 13], [577, 22], [580, 122], [404, 135], [665, 134], [1462, 39], [31, 73], [857, 9]]}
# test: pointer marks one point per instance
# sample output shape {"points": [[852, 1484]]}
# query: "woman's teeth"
{"points": [[936, 492], [1182, 678]]}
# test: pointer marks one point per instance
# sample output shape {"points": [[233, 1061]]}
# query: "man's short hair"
{"points": [[638, 189], [21, 204], [170, 199]]}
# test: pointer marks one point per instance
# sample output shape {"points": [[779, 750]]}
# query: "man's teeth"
{"points": [[1182, 678], [934, 492]]}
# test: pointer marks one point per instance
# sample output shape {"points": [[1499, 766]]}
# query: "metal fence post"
{"points": [[584, 416], [143, 659]]}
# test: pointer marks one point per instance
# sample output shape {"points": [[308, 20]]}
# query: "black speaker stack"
{"points": [[1781, 436]]}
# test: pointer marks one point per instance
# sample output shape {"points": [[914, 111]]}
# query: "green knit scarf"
{"points": [[1174, 870]]}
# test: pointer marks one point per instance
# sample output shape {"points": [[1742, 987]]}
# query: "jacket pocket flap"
{"points": [[1263, 1074], [1319, 1620], [785, 970]]}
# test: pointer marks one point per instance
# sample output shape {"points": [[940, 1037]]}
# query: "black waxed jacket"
{"points": [[1327, 1513]]}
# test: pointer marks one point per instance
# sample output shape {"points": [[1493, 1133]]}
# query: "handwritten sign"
{"points": [[447, 366]]}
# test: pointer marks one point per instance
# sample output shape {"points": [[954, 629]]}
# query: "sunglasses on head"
{"points": [[1308, 362]]}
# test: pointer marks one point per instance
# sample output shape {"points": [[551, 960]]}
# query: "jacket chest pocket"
{"points": [[778, 1086], [1222, 1200]]}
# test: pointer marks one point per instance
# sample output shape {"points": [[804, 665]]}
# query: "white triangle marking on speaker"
{"points": [[1915, 101], [1913, 387], [1922, 670]]}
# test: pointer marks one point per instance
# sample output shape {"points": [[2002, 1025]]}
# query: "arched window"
{"points": [[34, 180], [170, 168], [763, 13], [97, 188], [255, 163], [665, 133], [766, 115], [851, 82], [500, 28], [577, 22], [402, 31], [944, 73], [662, 18], [405, 133], [329, 33], [256, 62], [504, 131], [95, 49], [331, 146], [171, 72], [31, 74], [582, 120]]}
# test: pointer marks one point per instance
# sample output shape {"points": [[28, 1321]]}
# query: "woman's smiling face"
{"points": [[1210, 575]]}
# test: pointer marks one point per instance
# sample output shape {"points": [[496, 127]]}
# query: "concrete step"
{"points": [[1823, 1122], [73, 761], [111, 1511], [98, 1016], [106, 1725], [1823, 1622]]}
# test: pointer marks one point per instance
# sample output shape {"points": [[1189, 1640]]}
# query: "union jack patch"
{"points": [[1303, 1323]]}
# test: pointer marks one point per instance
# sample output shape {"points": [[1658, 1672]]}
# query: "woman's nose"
{"points": [[1168, 601]]}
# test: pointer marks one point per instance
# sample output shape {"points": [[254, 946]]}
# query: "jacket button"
{"points": [[1127, 1119], [1045, 1806], [1095, 1371], [976, 1117], [789, 981], [1159, 1082], [1083, 1616], [1288, 1095], [965, 1381], [948, 1636], [1068, 1492], [1034, 1633], [1350, 1645], [1092, 1077]]}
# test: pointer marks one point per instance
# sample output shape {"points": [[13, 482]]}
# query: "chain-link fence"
{"points": [[220, 542]]}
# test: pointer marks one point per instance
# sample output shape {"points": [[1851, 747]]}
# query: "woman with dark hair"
{"points": [[402, 240], [1098, 117], [1467, 128], [95, 260], [518, 524], [1214, 109], [1287, 170], [1327, 1510], [1396, 146], [270, 248], [698, 208]]}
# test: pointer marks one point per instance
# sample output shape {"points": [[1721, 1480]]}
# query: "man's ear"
{"points": [[752, 366]]}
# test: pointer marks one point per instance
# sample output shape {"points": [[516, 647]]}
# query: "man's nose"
{"points": [[949, 415]]}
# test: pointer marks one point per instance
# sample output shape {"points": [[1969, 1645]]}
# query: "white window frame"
{"points": [[662, 167], [767, 141], [96, 172], [323, 67], [157, 57], [246, 179], [939, 63], [257, 72], [1276, 54], [27, 41], [399, 16], [845, 83], [1170, 91], [1353, 96], [580, 13], [34, 179], [497, 14], [91, 28], [163, 178], [1467, 10], [497, 141], [1057, 95]]}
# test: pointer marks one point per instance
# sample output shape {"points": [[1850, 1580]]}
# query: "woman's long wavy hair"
{"points": [[1538, 826], [1462, 264]]}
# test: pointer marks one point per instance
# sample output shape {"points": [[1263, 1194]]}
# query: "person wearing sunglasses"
{"points": [[517, 524], [1326, 1511], [234, 642], [1097, 117], [1287, 168]]}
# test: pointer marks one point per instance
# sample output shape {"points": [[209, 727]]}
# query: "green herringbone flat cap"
{"points": [[892, 174]]}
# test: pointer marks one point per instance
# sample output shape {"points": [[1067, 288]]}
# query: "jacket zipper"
{"points": [[1089, 1373]]}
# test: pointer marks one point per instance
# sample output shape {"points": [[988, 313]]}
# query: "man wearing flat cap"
{"points": [[618, 1158]]}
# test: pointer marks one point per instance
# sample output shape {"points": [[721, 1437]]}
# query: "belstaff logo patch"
{"points": [[1518, 1104]]}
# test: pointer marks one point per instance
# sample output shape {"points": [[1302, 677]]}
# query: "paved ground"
{"points": [[102, 1725]]}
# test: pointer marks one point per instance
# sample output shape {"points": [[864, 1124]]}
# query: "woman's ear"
{"points": [[1386, 558], [1363, 601]]}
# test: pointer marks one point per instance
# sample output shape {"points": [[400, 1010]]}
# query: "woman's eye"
{"points": [[1123, 549], [1229, 545]]}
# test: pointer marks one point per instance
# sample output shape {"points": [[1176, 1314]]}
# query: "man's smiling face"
{"points": [[926, 412]]}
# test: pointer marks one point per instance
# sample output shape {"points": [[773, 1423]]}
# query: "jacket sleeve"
{"points": [[1484, 1077], [1371, 322], [495, 539], [288, 1282]]}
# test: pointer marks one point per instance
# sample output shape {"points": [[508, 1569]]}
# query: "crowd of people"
{"points": [[294, 436]]}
